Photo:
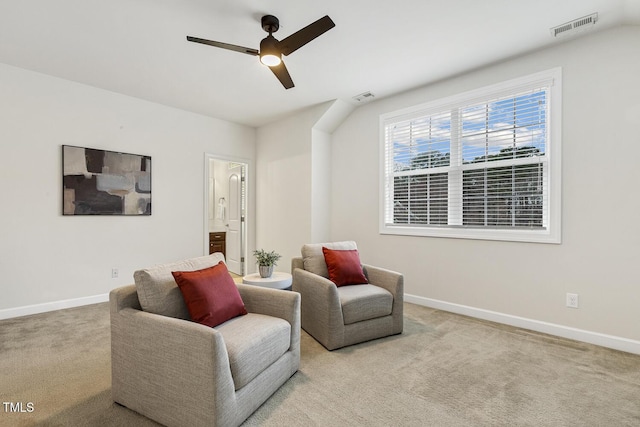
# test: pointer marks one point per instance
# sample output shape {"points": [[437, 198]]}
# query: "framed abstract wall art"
{"points": [[101, 182]]}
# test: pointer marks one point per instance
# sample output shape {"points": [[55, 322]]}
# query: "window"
{"points": [[484, 164]]}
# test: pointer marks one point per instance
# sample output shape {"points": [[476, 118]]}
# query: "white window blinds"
{"points": [[475, 162]]}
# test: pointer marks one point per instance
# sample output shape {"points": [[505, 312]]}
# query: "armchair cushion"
{"points": [[254, 342], [210, 294], [364, 302], [344, 267], [313, 258], [157, 290]]}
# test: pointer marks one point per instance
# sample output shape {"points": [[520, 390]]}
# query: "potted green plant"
{"points": [[266, 262]]}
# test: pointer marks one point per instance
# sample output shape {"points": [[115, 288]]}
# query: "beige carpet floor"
{"points": [[444, 370]]}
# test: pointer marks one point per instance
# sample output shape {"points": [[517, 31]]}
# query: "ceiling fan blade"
{"points": [[298, 39], [241, 49], [282, 74]]}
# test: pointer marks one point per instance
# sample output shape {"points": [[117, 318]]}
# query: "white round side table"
{"points": [[278, 280]]}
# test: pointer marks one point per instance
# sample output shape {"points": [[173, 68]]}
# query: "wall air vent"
{"points": [[574, 26]]}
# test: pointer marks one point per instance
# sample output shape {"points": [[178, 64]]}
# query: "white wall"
{"points": [[320, 186], [284, 152], [294, 179], [601, 150], [46, 258]]}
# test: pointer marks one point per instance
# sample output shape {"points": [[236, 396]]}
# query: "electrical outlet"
{"points": [[114, 273], [572, 300]]}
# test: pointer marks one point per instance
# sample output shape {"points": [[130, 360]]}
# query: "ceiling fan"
{"points": [[271, 50]]}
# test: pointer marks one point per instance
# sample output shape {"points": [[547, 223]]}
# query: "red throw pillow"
{"points": [[211, 295], [344, 267]]}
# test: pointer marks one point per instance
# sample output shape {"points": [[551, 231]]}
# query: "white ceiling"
{"points": [[139, 48]]}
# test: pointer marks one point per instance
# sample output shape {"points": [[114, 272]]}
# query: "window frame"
{"points": [[552, 232]]}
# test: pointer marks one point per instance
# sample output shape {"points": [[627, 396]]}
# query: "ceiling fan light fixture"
{"points": [[269, 53], [270, 60]]}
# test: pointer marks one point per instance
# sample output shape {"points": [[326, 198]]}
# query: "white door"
{"points": [[234, 226]]}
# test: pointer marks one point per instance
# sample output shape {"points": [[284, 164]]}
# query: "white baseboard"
{"points": [[609, 341], [26, 310]]}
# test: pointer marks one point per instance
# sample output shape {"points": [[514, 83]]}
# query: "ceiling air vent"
{"points": [[575, 25], [364, 97]]}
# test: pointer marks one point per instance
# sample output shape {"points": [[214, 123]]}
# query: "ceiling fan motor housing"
{"points": [[270, 55]]}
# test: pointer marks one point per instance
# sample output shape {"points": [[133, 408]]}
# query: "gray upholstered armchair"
{"points": [[338, 316], [181, 373]]}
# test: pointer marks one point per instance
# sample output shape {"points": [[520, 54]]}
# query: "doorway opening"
{"points": [[226, 210]]}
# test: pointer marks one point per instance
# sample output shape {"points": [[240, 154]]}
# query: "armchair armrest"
{"points": [[322, 290], [393, 282], [321, 309], [271, 302], [123, 297], [387, 279]]}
